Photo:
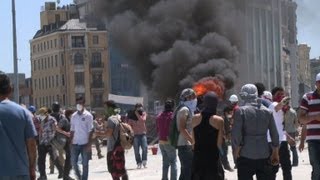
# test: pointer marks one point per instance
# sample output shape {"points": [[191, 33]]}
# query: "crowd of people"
{"points": [[261, 129]]}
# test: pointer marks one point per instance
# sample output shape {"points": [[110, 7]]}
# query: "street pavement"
{"points": [[98, 168]]}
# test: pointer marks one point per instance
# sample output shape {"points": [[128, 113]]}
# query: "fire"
{"points": [[209, 84]]}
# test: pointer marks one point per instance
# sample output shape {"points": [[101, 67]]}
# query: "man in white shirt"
{"points": [[279, 100], [81, 135]]}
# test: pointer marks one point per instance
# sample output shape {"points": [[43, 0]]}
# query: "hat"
{"points": [[32, 109], [318, 77], [111, 103], [267, 95], [233, 98], [248, 91], [186, 93], [43, 110]]}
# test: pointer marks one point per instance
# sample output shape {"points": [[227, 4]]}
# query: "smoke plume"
{"points": [[175, 43]]}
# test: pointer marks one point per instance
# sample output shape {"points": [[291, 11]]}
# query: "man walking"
{"points": [[252, 121], [17, 136], [310, 116], [81, 134]]}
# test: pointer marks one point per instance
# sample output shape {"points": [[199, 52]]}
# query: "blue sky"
{"points": [[28, 22]]}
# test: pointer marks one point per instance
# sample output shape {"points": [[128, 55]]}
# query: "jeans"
{"points": [[42, 152], [169, 159], [249, 167], [284, 157], [185, 154], [140, 141], [67, 162], [293, 149], [314, 156], [76, 150]]}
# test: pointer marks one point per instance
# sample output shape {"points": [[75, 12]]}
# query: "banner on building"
{"points": [[125, 99]]}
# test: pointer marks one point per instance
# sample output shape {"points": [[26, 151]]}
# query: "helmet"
{"points": [[32, 109], [55, 107], [249, 91], [233, 98], [186, 93], [267, 95]]}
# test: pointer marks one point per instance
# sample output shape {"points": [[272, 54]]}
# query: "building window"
{"points": [[97, 100], [79, 78], [64, 100], [62, 60], [44, 46], [95, 39], [62, 79], [38, 48], [97, 80], [34, 48], [46, 83], [39, 64], [57, 80], [51, 61], [41, 47], [51, 44], [55, 43], [45, 63], [96, 59], [78, 59], [48, 45], [34, 65], [35, 84], [49, 81], [77, 41], [56, 59], [39, 83], [61, 42]]}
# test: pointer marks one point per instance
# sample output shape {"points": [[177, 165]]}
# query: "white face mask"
{"points": [[229, 116], [79, 107], [192, 104]]}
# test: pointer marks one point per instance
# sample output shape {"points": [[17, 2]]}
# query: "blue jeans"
{"points": [[140, 140], [76, 150], [185, 154], [169, 158], [22, 177], [314, 156]]}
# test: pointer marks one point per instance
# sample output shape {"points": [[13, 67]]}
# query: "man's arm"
{"points": [[303, 137], [32, 155], [183, 126], [236, 132], [304, 118]]}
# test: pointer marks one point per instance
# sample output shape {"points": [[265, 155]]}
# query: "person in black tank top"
{"points": [[206, 164]]}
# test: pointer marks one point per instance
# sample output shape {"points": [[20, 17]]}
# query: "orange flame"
{"points": [[209, 84]]}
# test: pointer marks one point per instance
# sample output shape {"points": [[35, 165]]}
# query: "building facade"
{"points": [[304, 71], [69, 60]]}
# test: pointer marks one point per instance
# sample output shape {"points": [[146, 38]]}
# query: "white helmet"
{"points": [[233, 98]]}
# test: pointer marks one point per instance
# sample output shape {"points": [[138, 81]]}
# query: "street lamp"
{"points": [[15, 56]]}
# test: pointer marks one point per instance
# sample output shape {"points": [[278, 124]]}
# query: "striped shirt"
{"points": [[311, 103]]}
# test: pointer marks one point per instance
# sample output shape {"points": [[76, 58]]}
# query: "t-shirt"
{"points": [[184, 111], [113, 123], [82, 126], [16, 127], [279, 120]]}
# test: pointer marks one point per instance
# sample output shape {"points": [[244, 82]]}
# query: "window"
{"points": [[39, 83], [77, 41], [46, 83], [34, 65], [34, 48], [62, 79], [38, 47], [42, 83], [95, 39], [45, 46], [39, 64], [48, 44], [97, 100], [41, 47], [35, 84], [78, 59], [96, 59], [57, 80], [64, 99], [55, 43], [51, 44], [52, 81], [49, 81], [56, 59], [79, 78], [61, 42], [51, 61], [62, 60], [97, 80]]}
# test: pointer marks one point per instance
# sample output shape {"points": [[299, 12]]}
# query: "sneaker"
{"points": [[144, 164], [139, 166], [229, 169], [68, 178], [60, 176]]}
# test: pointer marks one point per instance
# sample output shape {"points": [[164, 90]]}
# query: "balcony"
{"points": [[96, 65], [97, 85]]}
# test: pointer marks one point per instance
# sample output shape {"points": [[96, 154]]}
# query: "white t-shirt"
{"points": [[278, 118], [82, 126]]}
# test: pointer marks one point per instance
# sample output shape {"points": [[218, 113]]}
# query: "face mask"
{"points": [[79, 107], [229, 116], [192, 105]]}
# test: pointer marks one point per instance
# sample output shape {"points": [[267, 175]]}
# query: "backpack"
{"points": [[173, 131], [126, 134]]}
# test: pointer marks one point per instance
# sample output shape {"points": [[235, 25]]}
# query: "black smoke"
{"points": [[174, 43]]}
